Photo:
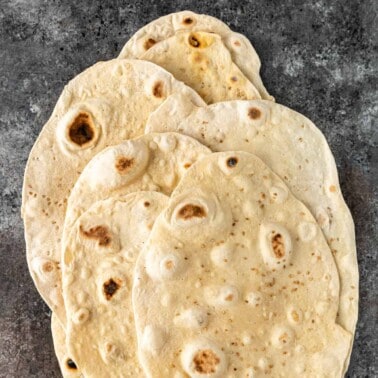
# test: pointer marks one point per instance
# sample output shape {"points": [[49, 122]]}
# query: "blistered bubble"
{"points": [[45, 269], [282, 337], [194, 318], [221, 255], [110, 352], [117, 166], [249, 373], [203, 358], [81, 316], [275, 245], [278, 194], [167, 143], [294, 315], [226, 296], [254, 298], [153, 339], [307, 231], [170, 266]]}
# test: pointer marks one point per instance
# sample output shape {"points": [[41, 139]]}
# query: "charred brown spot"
{"points": [[187, 21], [232, 161], [191, 211], [123, 164], [278, 245], [283, 338], [237, 43], [193, 41], [254, 113], [98, 232], [81, 130], [169, 264], [149, 43], [146, 204], [110, 288], [158, 89], [187, 165], [229, 297], [48, 267], [295, 316], [205, 361], [71, 364]]}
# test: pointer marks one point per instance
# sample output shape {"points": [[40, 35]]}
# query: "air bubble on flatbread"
{"points": [[81, 127], [282, 337], [202, 358], [307, 231], [119, 165], [193, 318], [153, 339], [275, 245], [222, 255]]}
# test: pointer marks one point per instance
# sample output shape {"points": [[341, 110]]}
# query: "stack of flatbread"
{"points": [[180, 223]]}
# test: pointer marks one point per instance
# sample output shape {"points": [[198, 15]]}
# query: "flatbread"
{"points": [[97, 282], [165, 29], [237, 279], [107, 103], [292, 146], [67, 366]]}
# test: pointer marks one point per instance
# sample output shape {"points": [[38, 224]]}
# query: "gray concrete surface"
{"points": [[318, 57]]}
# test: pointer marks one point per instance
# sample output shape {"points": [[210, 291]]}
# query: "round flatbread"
{"points": [[67, 365], [237, 279], [292, 146], [107, 103], [181, 41], [103, 246]]}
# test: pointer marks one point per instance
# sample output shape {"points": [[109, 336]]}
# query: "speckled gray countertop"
{"points": [[318, 57]]}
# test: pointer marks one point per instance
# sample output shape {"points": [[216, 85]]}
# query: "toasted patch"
{"points": [[124, 164], [254, 113], [101, 233], [149, 43], [278, 245], [110, 287], [81, 130], [205, 361], [158, 89], [191, 211]]}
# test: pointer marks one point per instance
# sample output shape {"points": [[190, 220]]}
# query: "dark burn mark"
{"points": [[193, 41], [70, 364], [232, 161], [187, 21], [158, 89], [254, 113], [123, 164], [191, 211], [205, 362], [110, 288], [98, 232], [149, 43], [147, 204], [81, 130], [278, 245]]}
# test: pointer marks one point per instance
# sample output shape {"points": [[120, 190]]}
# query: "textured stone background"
{"points": [[318, 57]]}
